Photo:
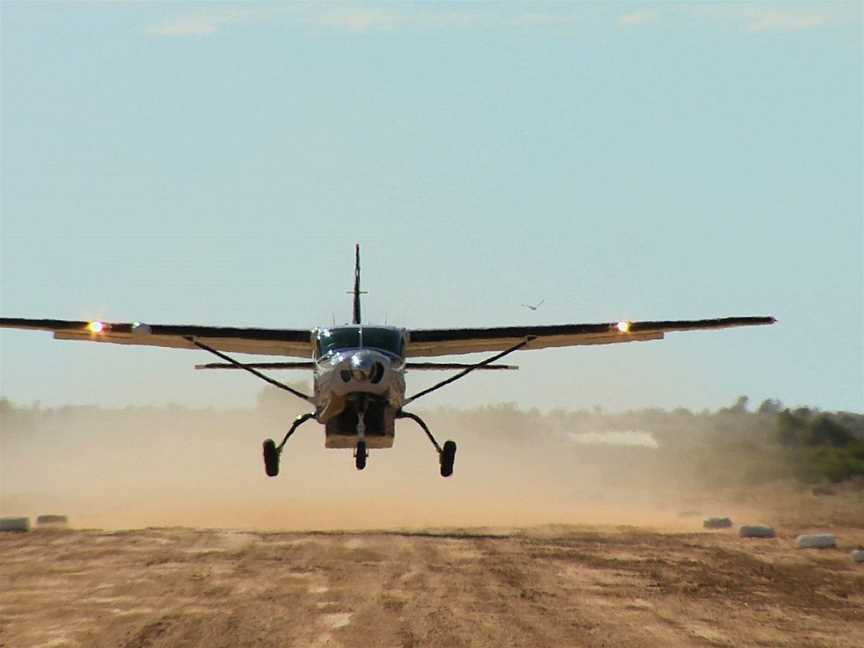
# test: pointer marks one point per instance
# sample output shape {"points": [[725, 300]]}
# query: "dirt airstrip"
{"points": [[178, 539], [540, 586]]}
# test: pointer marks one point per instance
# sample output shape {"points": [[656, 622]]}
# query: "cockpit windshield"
{"points": [[329, 340]]}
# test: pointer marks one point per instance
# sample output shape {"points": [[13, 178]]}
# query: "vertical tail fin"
{"points": [[357, 291]]}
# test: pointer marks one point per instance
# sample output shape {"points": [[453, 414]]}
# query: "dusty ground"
{"points": [[543, 586], [197, 547]]}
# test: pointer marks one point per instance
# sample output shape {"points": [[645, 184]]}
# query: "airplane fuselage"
{"points": [[359, 383]]}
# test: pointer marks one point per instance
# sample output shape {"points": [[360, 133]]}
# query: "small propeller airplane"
{"points": [[359, 370]]}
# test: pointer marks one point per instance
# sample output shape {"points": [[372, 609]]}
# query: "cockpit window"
{"points": [[329, 340], [383, 339], [356, 337]]}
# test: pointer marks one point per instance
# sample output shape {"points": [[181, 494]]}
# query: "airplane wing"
{"points": [[281, 342], [442, 342]]}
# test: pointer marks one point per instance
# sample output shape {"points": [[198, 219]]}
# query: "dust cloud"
{"points": [[172, 466]]}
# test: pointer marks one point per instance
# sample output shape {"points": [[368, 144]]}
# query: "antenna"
{"points": [[357, 292]]}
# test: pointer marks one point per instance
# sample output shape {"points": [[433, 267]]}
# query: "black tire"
{"points": [[448, 456], [271, 458], [360, 456]]}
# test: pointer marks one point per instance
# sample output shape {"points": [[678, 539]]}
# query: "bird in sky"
{"points": [[535, 306]]}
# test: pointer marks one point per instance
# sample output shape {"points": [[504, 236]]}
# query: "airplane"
{"points": [[358, 370]]}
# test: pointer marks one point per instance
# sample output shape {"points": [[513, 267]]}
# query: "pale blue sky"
{"points": [[215, 163]]}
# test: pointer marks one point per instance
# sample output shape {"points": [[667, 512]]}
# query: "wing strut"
{"points": [[464, 373], [240, 365]]}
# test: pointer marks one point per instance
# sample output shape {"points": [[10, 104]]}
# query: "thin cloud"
{"points": [[641, 17], [544, 20], [787, 19], [200, 24], [776, 18], [353, 18], [358, 21], [188, 27], [385, 19]]}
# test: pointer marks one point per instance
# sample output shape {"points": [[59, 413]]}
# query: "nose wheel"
{"points": [[446, 454], [360, 455], [360, 452]]}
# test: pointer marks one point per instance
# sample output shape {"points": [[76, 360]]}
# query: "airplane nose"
{"points": [[377, 372], [361, 375], [364, 368]]}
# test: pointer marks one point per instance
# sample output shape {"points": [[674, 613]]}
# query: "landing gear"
{"points": [[360, 455], [272, 452], [271, 458], [446, 455]]}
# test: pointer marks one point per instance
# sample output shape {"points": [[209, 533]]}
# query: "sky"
{"points": [[214, 163]]}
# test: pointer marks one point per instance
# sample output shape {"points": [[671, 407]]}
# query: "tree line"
{"points": [[733, 444]]}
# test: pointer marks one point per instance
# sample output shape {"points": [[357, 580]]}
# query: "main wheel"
{"points": [[271, 458], [360, 455], [448, 456]]}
